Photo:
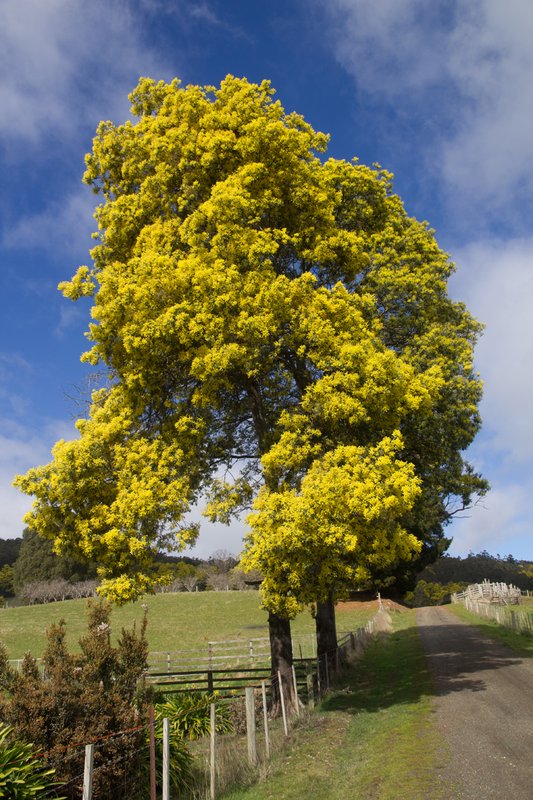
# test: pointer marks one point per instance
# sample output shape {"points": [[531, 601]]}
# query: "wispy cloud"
{"points": [[13, 366], [64, 225], [467, 67], [64, 64]]}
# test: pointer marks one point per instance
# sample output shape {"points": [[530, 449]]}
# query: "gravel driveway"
{"points": [[484, 709]]}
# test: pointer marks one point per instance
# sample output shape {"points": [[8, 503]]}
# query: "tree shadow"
{"points": [[428, 660]]}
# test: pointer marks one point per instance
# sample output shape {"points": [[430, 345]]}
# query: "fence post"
{"points": [[88, 772], [265, 719], [295, 684], [250, 725], [310, 688], [153, 786], [166, 759], [212, 771], [210, 684], [168, 662], [283, 710]]}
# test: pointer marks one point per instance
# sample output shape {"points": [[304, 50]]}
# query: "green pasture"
{"points": [[180, 621]]}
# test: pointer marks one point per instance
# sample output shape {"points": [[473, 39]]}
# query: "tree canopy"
{"points": [[278, 335]]}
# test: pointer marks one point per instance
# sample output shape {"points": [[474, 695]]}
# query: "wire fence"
{"points": [[152, 760]]}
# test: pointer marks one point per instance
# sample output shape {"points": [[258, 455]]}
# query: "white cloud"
{"points": [[466, 65], [495, 279], [21, 449], [388, 47], [65, 64], [500, 523], [63, 226]]}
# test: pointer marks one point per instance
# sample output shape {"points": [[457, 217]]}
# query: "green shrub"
{"points": [[189, 714], [427, 593], [22, 775], [189, 719]]}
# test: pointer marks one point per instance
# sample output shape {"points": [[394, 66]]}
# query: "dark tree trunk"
{"points": [[281, 658], [326, 633]]}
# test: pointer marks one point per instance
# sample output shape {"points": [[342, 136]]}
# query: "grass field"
{"points": [[175, 621], [372, 739]]}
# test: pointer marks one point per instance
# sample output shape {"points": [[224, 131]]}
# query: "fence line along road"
{"points": [[517, 619]]}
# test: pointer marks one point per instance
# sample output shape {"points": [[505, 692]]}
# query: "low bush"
{"points": [[22, 775], [90, 697]]}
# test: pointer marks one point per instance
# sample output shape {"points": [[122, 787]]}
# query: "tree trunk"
{"points": [[326, 633], [281, 658]]}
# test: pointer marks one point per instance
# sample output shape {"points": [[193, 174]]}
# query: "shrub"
{"points": [[189, 714], [84, 698], [427, 593], [22, 775]]}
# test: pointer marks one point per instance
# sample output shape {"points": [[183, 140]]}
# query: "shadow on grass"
{"points": [[417, 662]]}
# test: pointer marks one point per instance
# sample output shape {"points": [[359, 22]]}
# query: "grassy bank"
{"points": [[175, 621], [372, 739], [521, 643]]}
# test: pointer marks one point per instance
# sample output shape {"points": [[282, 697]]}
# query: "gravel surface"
{"points": [[484, 709]]}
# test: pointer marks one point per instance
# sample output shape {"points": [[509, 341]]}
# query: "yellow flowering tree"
{"points": [[265, 311]]}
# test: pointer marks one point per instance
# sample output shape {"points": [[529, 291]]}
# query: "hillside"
{"points": [[175, 621]]}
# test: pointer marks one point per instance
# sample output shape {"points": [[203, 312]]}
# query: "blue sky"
{"points": [[440, 92]]}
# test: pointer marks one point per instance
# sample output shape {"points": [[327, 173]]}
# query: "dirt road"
{"points": [[484, 709]]}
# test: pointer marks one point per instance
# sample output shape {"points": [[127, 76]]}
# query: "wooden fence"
{"points": [[250, 652], [309, 681], [245, 653], [487, 592], [518, 620], [216, 676]]}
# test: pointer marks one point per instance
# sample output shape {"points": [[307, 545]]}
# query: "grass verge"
{"points": [[372, 738], [521, 643]]}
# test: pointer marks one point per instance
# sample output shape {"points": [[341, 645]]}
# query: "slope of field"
{"points": [[175, 621]]}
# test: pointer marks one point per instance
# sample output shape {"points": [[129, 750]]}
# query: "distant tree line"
{"points": [[32, 572]]}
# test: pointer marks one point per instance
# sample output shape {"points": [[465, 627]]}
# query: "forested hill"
{"points": [[9, 551], [449, 574], [476, 567]]}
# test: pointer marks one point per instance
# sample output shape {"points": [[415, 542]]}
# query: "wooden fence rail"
{"points": [[518, 620], [225, 680], [487, 592]]}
